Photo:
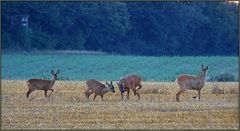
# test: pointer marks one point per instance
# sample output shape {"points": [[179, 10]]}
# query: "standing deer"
{"points": [[94, 86], [130, 83], [39, 84], [188, 82]]}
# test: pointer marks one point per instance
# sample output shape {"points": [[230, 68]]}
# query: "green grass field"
{"points": [[22, 66]]}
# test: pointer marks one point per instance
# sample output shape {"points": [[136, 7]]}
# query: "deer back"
{"points": [[190, 82], [39, 84], [131, 81], [95, 86]]}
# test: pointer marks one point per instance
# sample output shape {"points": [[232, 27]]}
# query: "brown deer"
{"points": [[39, 84], [94, 86], [130, 83], [188, 82]]}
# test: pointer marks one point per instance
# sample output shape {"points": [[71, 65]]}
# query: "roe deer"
{"points": [[39, 84], [188, 82], [94, 86], [130, 82]]}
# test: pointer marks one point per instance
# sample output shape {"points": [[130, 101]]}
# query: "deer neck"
{"points": [[105, 90], [202, 76], [52, 82]]}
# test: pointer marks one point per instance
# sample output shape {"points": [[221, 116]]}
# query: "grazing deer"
{"points": [[188, 82], [94, 86], [39, 84], [130, 83]]}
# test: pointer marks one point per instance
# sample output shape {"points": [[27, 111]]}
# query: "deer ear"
{"points": [[52, 72], [202, 66], [111, 82]]}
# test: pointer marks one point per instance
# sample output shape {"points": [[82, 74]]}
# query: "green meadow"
{"points": [[22, 66]]}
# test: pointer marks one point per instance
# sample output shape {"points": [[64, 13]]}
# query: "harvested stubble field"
{"points": [[157, 108]]}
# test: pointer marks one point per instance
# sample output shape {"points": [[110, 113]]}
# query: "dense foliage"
{"points": [[138, 28]]}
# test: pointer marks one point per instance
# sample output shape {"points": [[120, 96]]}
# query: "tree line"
{"points": [[131, 28]]}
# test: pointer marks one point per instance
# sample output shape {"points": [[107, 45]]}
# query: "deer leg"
{"points": [[122, 96], [51, 91], [50, 95], [178, 94], [89, 93], [86, 94], [128, 94], [199, 94], [29, 92], [102, 97], [136, 93], [195, 96], [45, 92], [95, 95], [139, 87]]}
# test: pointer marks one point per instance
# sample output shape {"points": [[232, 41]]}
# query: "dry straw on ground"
{"points": [[216, 89], [157, 108]]}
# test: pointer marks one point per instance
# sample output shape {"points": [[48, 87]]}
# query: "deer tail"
{"points": [[176, 81], [28, 83]]}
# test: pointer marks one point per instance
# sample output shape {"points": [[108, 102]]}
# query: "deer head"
{"points": [[203, 72], [121, 87], [110, 86], [54, 75]]}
